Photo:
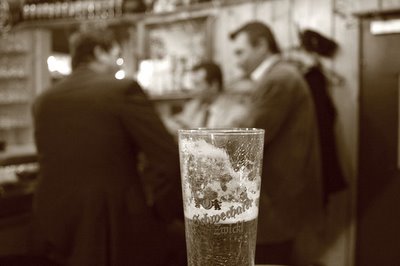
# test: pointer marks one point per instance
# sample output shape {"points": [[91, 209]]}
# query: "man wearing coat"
{"points": [[282, 105], [91, 206]]}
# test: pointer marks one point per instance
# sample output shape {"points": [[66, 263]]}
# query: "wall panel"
{"points": [[362, 5], [387, 4], [229, 19], [280, 22]]}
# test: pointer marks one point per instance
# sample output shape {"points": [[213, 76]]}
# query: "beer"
{"points": [[230, 244], [221, 180]]}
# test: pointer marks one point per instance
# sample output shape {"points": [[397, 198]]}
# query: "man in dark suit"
{"points": [[282, 105], [90, 204]]}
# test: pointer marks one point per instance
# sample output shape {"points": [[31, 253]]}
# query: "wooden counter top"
{"points": [[16, 191]]}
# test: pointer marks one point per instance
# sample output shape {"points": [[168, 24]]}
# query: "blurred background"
{"points": [[163, 39]]}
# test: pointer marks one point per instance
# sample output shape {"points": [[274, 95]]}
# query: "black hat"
{"points": [[316, 42]]}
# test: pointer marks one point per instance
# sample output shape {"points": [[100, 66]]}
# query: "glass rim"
{"points": [[221, 131]]}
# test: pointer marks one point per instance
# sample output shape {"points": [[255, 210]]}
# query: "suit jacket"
{"points": [[193, 115], [90, 204], [291, 181]]}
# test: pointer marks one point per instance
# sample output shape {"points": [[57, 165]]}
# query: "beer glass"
{"points": [[221, 180]]}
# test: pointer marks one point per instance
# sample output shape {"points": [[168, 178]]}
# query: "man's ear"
{"points": [[262, 44], [214, 86], [100, 54]]}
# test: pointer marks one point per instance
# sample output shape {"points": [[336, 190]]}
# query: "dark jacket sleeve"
{"points": [[139, 117]]}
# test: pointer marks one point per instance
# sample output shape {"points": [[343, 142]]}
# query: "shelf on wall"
{"points": [[17, 153], [15, 126], [14, 102], [376, 12], [68, 22], [180, 13], [13, 52], [177, 16], [12, 77]]}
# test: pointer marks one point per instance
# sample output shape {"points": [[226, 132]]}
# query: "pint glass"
{"points": [[221, 180]]}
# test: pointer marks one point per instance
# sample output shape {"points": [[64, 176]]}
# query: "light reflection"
{"points": [[120, 74], [145, 73], [120, 61], [60, 64]]}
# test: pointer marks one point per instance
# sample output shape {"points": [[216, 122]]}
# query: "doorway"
{"points": [[378, 211]]}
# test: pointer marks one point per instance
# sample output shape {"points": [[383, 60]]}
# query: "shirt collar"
{"points": [[264, 67]]}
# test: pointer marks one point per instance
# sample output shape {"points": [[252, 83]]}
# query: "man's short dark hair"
{"points": [[83, 42], [213, 73], [255, 31]]}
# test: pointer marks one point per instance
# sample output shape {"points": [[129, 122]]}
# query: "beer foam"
{"points": [[211, 165], [200, 148]]}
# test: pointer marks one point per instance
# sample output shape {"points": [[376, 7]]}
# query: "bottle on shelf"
{"points": [[134, 6], [118, 7], [81, 9], [10, 15], [57, 5], [65, 9]]}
